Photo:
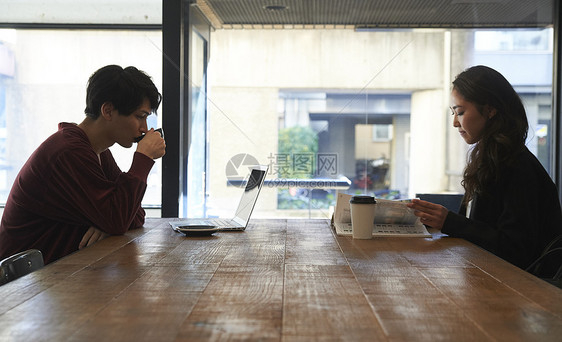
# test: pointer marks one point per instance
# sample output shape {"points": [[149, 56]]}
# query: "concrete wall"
{"points": [[248, 68], [427, 143], [327, 59], [366, 148]]}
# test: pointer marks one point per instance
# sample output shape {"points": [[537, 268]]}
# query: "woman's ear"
{"points": [[107, 110], [490, 111]]}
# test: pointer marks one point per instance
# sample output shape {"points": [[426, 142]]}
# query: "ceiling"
{"points": [[286, 14]]}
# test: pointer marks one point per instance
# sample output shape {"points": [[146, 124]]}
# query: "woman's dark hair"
{"points": [[125, 88], [503, 136]]}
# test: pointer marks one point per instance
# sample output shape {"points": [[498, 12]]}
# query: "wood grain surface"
{"points": [[280, 280]]}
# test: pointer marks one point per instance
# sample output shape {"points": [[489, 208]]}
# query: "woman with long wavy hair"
{"points": [[510, 206]]}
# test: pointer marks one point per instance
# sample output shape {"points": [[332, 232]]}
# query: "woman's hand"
{"points": [[92, 235], [430, 214]]}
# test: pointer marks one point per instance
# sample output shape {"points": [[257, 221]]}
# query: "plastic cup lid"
{"points": [[362, 199]]}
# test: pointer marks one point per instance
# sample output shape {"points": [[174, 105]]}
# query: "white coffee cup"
{"points": [[362, 216]]}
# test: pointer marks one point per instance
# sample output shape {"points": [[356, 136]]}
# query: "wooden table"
{"points": [[289, 280]]}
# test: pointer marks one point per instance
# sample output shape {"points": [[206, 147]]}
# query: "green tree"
{"points": [[297, 152]]}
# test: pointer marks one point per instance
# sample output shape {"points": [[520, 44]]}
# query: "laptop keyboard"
{"points": [[222, 222], [226, 223]]}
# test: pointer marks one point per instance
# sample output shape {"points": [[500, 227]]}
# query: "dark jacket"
{"points": [[514, 219]]}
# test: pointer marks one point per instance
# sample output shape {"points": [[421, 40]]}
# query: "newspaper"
{"points": [[392, 218]]}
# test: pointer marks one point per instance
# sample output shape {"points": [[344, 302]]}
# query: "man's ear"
{"points": [[107, 110]]}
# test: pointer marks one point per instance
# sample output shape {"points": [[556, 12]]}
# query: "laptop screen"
{"points": [[251, 192]]}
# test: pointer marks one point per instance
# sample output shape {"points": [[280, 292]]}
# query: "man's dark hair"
{"points": [[125, 88]]}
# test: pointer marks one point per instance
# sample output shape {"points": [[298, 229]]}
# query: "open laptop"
{"points": [[245, 206]]}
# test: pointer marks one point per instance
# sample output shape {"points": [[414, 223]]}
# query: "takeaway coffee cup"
{"points": [[362, 216]]}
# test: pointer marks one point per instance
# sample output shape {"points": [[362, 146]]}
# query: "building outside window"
{"points": [[377, 100], [370, 106]]}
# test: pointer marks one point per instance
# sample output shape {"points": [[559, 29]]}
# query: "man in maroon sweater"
{"points": [[71, 193]]}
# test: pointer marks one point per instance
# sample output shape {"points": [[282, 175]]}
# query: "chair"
{"points": [[549, 265], [450, 201], [20, 264]]}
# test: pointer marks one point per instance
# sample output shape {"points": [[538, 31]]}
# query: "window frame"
{"points": [[172, 26]]}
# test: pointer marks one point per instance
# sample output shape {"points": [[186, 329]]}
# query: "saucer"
{"points": [[197, 230]]}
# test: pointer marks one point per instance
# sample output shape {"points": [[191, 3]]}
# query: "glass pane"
{"points": [[138, 12], [371, 105], [43, 78], [196, 165]]}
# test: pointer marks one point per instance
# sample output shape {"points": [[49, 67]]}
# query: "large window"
{"points": [[366, 106], [376, 101], [43, 78]]}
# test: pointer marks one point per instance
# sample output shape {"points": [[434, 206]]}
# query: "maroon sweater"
{"points": [[62, 190]]}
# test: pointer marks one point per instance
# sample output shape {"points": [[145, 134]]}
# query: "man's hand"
{"points": [[152, 145], [92, 236]]}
